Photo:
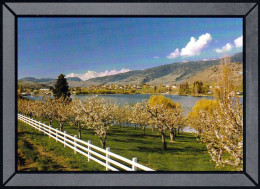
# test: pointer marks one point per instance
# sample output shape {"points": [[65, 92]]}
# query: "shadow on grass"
{"points": [[143, 136], [171, 149], [30, 133], [131, 140]]}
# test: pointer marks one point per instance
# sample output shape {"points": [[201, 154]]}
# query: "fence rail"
{"points": [[86, 148]]}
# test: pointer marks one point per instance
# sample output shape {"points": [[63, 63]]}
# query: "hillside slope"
{"points": [[32, 85], [211, 75], [166, 74]]}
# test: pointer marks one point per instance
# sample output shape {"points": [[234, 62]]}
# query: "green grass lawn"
{"points": [[185, 154]]}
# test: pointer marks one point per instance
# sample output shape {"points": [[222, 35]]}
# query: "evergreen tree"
{"points": [[61, 88], [20, 87]]}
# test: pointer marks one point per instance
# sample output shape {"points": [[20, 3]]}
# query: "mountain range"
{"points": [[177, 73]]}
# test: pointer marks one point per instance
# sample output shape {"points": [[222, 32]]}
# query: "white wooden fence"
{"points": [[86, 148]]}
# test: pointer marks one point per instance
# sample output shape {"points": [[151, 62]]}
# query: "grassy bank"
{"points": [[186, 154], [38, 152]]}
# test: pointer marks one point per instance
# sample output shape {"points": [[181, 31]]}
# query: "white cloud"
{"points": [[93, 74], [194, 46], [205, 59], [239, 41], [156, 57], [174, 54], [225, 48]]}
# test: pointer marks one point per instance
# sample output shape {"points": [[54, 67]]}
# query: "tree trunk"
{"points": [[50, 121], [179, 130], [172, 134], [61, 126], [135, 126], [103, 141], [79, 130], [104, 144], [144, 130], [163, 141]]}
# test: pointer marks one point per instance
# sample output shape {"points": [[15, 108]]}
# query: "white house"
{"points": [[44, 89]]}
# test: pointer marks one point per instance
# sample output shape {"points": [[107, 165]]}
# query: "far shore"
{"points": [[140, 94], [201, 95]]}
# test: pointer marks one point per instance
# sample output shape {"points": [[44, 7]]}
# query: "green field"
{"points": [[38, 152]]}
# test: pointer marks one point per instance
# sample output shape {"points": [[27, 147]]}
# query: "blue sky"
{"points": [[90, 47]]}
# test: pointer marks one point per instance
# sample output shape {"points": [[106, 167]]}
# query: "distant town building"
{"points": [[25, 94], [44, 89]]}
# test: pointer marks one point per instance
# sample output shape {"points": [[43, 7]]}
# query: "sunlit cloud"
{"points": [[92, 74], [226, 48], [239, 41], [174, 54], [193, 47]]}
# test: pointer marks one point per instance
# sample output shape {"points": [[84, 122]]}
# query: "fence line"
{"points": [[86, 148]]}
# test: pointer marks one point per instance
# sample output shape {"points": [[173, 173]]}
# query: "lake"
{"points": [[187, 102]]}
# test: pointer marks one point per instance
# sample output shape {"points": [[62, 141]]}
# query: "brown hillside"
{"points": [[210, 75]]}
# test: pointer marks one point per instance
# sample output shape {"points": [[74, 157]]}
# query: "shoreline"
{"points": [[142, 94], [152, 94]]}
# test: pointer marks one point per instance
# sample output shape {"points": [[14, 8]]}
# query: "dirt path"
{"points": [[38, 160]]}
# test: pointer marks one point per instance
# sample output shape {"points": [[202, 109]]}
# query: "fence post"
{"points": [[35, 125], [89, 154], [56, 134], [65, 138], [107, 156], [43, 128], [75, 144], [134, 168], [38, 127], [49, 131]]}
